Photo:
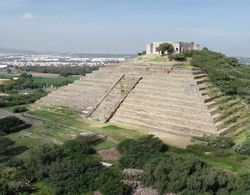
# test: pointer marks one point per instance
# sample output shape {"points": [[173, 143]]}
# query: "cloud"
{"points": [[28, 16]]}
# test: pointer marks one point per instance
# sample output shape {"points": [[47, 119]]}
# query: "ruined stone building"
{"points": [[151, 48]]}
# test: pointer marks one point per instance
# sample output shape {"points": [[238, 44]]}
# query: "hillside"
{"points": [[106, 116]]}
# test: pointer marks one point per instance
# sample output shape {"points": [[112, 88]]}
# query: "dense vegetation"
{"points": [[11, 124], [185, 175], [20, 109], [165, 47], [189, 176], [27, 82], [62, 70], [135, 153], [71, 168], [74, 168], [19, 99], [27, 89], [224, 72], [180, 57]]}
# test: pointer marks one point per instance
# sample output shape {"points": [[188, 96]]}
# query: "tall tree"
{"points": [[165, 47]]}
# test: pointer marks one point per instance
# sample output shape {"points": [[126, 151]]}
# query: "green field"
{"points": [[60, 125], [59, 81]]}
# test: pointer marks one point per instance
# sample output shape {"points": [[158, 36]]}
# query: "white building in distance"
{"points": [[151, 48]]}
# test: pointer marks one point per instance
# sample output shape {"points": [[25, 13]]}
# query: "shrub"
{"points": [[222, 142], [20, 109], [188, 176], [11, 124], [225, 73], [137, 152], [141, 53], [4, 188], [178, 57], [242, 148], [77, 147], [246, 180], [45, 158], [5, 144], [38, 164], [110, 182], [62, 70], [74, 176], [189, 53], [19, 99], [16, 163]]}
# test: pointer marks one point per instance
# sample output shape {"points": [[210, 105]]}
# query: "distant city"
{"points": [[10, 57], [244, 60], [60, 60]]}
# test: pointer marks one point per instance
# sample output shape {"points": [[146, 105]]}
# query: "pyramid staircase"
{"points": [[170, 99], [173, 103], [110, 102]]}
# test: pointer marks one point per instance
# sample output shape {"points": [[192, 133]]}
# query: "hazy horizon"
{"points": [[123, 27]]}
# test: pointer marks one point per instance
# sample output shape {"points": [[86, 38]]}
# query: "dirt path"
{"points": [[174, 140]]}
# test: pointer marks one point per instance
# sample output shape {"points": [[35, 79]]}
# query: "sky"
{"points": [[124, 26]]}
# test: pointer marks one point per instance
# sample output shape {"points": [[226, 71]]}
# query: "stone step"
{"points": [[148, 103], [171, 86], [220, 125], [222, 99], [196, 116], [109, 103], [216, 117], [169, 94], [167, 81], [94, 84], [169, 119], [171, 76], [188, 114], [231, 103], [109, 76], [214, 110], [181, 71], [201, 81], [222, 131], [197, 72], [151, 129], [210, 104], [207, 98], [167, 101], [165, 126], [199, 76], [95, 80], [188, 91]]}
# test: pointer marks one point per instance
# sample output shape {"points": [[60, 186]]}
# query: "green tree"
{"points": [[135, 153], [5, 144], [141, 53], [110, 182], [74, 176], [165, 47], [38, 164], [178, 57], [4, 187], [189, 175]]}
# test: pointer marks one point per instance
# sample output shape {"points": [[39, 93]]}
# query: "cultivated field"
{"points": [[44, 75]]}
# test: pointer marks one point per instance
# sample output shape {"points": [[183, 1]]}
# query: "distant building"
{"points": [[179, 47]]}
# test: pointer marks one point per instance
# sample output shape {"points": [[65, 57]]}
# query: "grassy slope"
{"points": [[60, 125], [231, 161]]}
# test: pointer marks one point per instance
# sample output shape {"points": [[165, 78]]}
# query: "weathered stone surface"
{"points": [[169, 98]]}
